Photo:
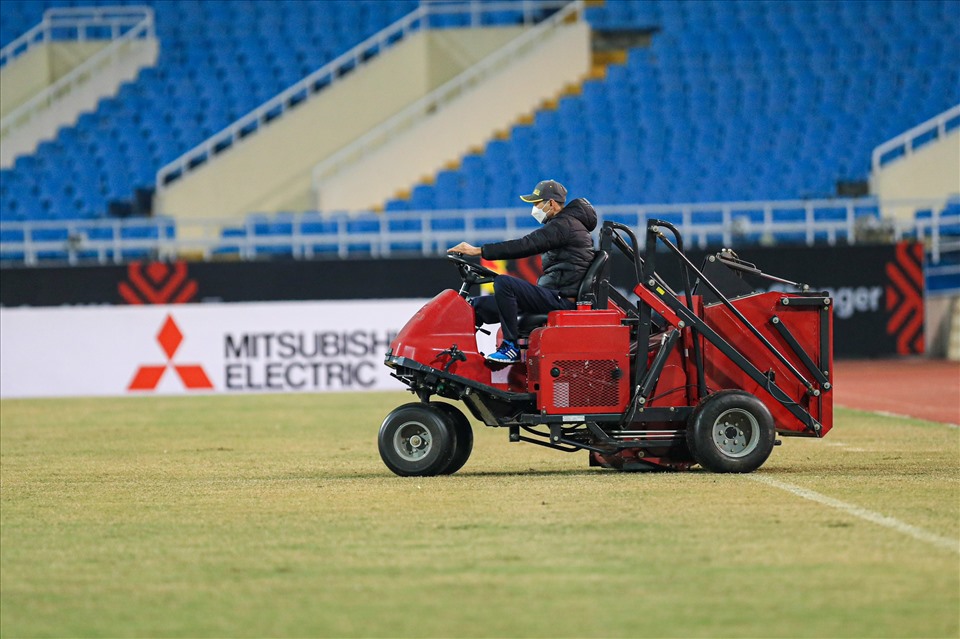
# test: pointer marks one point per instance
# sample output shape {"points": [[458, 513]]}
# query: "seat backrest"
{"points": [[588, 286]]}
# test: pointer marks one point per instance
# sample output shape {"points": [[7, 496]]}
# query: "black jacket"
{"points": [[566, 245]]}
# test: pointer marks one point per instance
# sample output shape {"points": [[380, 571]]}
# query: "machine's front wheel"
{"points": [[417, 440], [731, 431], [461, 425]]}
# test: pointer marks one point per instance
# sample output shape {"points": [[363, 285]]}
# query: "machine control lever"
{"points": [[455, 355]]}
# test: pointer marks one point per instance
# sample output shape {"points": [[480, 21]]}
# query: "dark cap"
{"points": [[547, 190]]}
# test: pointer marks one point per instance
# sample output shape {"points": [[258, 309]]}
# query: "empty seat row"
{"points": [[341, 235], [195, 90], [741, 99], [765, 111], [77, 241]]}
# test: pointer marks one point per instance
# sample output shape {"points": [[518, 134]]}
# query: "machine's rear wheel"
{"points": [[731, 431], [417, 440], [461, 425]]}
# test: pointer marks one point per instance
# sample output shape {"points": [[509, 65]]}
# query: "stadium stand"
{"points": [[219, 59], [734, 100], [738, 101]]}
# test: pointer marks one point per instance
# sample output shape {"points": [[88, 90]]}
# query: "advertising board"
{"points": [[878, 290], [203, 348]]}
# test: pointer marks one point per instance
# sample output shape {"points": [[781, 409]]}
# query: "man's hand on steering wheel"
{"points": [[470, 272], [465, 249]]}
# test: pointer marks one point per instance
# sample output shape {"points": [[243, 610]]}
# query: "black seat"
{"points": [[586, 295]]}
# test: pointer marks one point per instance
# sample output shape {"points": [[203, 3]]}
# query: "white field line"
{"points": [[867, 515], [898, 415], [884, 413]]}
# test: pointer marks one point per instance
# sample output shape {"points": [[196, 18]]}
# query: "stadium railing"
{"points": [[419, 19], [450, 91], [120, 25], [75, 23], [312, 235], [907, 142]]}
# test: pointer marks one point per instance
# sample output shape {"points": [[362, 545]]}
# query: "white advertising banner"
{"points": [[201, 348]]}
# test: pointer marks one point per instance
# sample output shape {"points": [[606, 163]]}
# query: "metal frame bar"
{"points": [[743, 320], [798, 350], [651, 282], [746, 366]]}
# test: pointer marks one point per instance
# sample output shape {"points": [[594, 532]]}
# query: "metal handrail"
{"points": [[436, 99], [207, 240], [906, 139], [328, 74], [60, 18], [246, 124], [25, 42], [79, 18], [116, 19]]}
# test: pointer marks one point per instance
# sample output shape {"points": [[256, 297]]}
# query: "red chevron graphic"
{"points": [[161, 284], [493, 265], [904, 298], [529, 269]]}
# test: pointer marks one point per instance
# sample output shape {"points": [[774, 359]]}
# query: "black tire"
{"points": [[731, 431], [461, 425], [417, 440]]}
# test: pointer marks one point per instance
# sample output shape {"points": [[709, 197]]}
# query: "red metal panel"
{"points": [[803, 322], [445, 320], [656, 303], [580, 369], [585, 317]]}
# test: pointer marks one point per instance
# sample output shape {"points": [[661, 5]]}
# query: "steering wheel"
{"points": [[471, 273]]}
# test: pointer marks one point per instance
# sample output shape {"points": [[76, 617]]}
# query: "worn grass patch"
{"points": [[273, 516]]}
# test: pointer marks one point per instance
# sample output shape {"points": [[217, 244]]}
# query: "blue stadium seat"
{"points": [[490, 223], [409, 229], [186, 76], [268, 232], [363, 231], [397, 204], [15, 237], [719, 107], [454, 222], [422, 198], [789, 216], [138, 232], [447, 191], [57, 236], [835, 215], [320, 233]]}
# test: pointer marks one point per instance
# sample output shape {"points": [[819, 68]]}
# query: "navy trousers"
{"points": [[512, 296]]}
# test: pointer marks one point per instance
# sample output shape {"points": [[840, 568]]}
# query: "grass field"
{"points": [[273, 516]]}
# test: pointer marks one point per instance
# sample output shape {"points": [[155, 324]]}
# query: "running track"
{"points": [[927, 389]]}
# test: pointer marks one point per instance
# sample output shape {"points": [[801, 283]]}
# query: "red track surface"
{"points": [[928, 389]]}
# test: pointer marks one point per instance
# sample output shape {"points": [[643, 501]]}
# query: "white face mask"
{"points": [[538, 214]]}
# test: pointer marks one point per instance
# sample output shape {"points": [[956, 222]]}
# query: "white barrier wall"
{"points": [[27, 130], [202, 348], [272, 170], [562, 58], [930, 172]]}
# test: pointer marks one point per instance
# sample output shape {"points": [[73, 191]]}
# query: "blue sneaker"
{"points": [[508, 353]]}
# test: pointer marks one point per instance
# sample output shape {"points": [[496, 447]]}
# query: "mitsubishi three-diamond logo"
{"points": [[192, 375]]}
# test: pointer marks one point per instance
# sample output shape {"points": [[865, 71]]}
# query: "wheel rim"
{"points": [[736, 432], [412, 441]]}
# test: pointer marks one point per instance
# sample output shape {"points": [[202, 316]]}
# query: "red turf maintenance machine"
{"points": [[665, 381]]}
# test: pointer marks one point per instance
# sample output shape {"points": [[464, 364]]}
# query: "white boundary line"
{"points": [[867, 515], [884, 413]]}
